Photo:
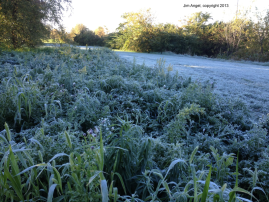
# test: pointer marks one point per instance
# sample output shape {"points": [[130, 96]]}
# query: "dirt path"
{"points": [[244, 80]]}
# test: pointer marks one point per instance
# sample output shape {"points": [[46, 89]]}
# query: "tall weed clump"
{"points": [[84, 125]]}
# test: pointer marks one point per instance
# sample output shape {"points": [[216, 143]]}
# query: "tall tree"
{"points": [[100, 31], [260, 29], [25, 21], [60, 36], [136, 30], [77, 30], [196, 23], [235, 31]]}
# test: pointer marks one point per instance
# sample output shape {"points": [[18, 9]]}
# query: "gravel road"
{"points": [[248, 81]]}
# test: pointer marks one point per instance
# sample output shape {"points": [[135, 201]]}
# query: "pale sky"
{"points": [[108, 12]]}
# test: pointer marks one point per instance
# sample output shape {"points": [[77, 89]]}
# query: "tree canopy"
{"points": [[25, 22]]}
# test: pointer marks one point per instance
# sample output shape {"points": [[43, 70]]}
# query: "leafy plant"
{"points": [[84, 125]]}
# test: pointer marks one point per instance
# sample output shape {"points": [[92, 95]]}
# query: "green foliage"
{"points": [[89, 37], [139, 33], [24, 22], [85, 126], [241, 38]]}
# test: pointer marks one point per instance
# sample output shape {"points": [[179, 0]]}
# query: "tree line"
{"points": [[25, 22], [241, 38]]}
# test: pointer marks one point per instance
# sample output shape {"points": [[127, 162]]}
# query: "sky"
{"points": [[108, 12]]}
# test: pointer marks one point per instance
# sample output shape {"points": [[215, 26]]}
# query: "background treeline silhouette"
{"points": [[244, 37], [241, 38]]}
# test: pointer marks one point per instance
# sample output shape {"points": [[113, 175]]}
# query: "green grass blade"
{"points": [[115, 191], [99, 156], [4, 139], [8, 132], [238, 189], [232, 194], [58, 199], [193, 154], [173, 164], [194, 183], [104, 191], [58, 178], [31, 167], [57, 155], [37, 142], [30, 109], [94, 176], [206, 187], [51, 191], [166, 187], [236, 181], [116, 161], [14, 166], [121, 180], [68, 139], [14, 183]]}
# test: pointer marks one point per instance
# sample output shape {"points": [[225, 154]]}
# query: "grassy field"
{"points": [[82, 125]]}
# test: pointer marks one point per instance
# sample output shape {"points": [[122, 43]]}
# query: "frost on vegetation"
{"points": [[102, 127]]}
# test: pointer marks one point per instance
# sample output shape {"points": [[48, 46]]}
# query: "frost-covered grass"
{"points": [[247, 81], [87, 126]]}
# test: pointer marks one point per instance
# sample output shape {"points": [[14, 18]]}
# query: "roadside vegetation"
{"points": [[243, 38], [246, 37], [85, 126], [80, 125]]}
